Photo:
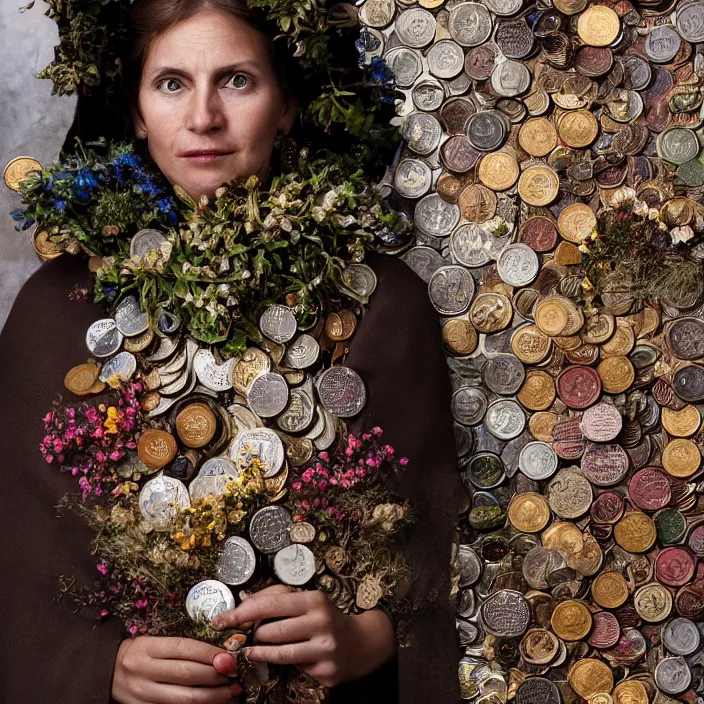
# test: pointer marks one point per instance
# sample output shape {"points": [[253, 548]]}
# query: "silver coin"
{"points": [[167, 346], [406, 64], [678, 145], [637, 73], [130, 319], [123, 366], [103, 338], [262, 444], [486, 130], [214, 376], [672, 675], [243, 418], [469, 24], [690, 21], [268, 529], [166, 403], [303, 352], [213, 479], [378, 13], [341, 391], [681, 636], [327, 437], [425, 261], [470, 245], [469, 566], [510, 78], [458, 86], [360, 279], [207, 599], [412, 178], [445, 59], [268, 395], [504, 8], [435, 216], [299, 414], [295, 565], [505, 419], [540, 564], [469, 404], [517, 265], [415, 27], [145, 241], [237, 561], [161, 499], [504, 374], [662, 44], [428, 95], [515, 39], [505, 614], [538, 460], [278, 323], [422, 133], [451, 290]]}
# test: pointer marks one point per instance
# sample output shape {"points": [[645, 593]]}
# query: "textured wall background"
{"points": [[32, 123]]}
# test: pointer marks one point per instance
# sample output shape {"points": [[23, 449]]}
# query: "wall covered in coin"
{"points": [[552, 168]]}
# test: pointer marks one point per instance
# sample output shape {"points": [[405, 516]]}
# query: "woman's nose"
{"points": [[205, 111]]}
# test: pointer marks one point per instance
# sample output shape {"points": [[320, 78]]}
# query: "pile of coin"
{"points": [[579, 570]]}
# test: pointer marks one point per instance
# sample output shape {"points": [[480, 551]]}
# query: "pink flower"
{"points": [[133, 630], [58, 445], [308, 475], [100, 456], [324, 456], [141, 603], [388, 450], [71, 412], [116, 455], [48, 417], [104, 613], [360, 473], [403, 461], [103, 569], [305, 505], [322, 485], [296, 486], [349, 452], [49, 458], [92, 415], [346, 483], [376, 430]]}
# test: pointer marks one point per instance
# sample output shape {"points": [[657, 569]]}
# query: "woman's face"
{"points": [[210, 102]]}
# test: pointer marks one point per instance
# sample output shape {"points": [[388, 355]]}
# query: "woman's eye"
{"points": [[239, 80], [166, 83]]}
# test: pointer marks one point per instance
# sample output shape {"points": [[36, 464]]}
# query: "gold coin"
{"points": [[477, 203], [566, 538], [538, 646], [609, 590], [682, 423], [601, 697], [17, 171], [567, 254], [537, 136], [538, 185], [650, 321], [578, 128], [252, 363], [622, 341], [584, 354], [537, 392], [571, 620], [589, 676], [156, 448], [616, 373], [140, 342], [541, 424], [498, 171], [530, 345], [681, 458], [44, 247], [598, 328], [551, 316], [491, 312], [459, 336], [635, 532], [568, 343], [449, 187], [598, 25], [570, 7], [630, 692], [196, 425], [576, 222], [653, 602], [528, 512], [81, 379]]}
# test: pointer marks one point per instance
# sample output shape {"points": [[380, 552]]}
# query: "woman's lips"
{"points": [[204, 158]]}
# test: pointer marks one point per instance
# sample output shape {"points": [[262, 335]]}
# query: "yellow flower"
{"points": [[114, 381], [110, 423], [587, 285], [583, 248]]}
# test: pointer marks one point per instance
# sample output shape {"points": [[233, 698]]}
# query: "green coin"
{"points": [[692, 173], [486, 517], [671, 525]]}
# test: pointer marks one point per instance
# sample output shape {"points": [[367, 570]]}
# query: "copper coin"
{"points": [[605, 631], [539, 233], [196, 425], [674, 566], [604, 465], [568, 441], [458, 154], [602, 422], [649, 489], [593, 61], [689, 600], [156, 448], [608, 507], [578, 387]]}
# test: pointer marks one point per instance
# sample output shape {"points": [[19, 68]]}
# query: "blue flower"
{"points": [[165, 204], [60, 205], [110, 291], [380, 72], [86, 181], [18, 214]]}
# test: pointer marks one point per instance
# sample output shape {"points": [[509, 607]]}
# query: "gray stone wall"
{"points": [[32, 123]]}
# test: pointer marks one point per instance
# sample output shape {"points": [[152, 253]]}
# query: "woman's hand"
{"points": [[171, 671], [309, 631]]}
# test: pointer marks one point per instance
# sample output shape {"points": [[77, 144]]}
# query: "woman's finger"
{"points": [[259, 608], [185, 672], [289, 654], [287, 630], [182, 649], [156, 693]]}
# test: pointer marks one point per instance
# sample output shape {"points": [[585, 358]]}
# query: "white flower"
{"points": [[623, 194], [640, 208], [681, 234], [653, 214]]}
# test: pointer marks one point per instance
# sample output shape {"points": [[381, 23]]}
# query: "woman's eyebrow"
{"points": [[220, 73]]}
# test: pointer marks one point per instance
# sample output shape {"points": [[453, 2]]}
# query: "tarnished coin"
{"points": [[540, 564], [268, 529], [685, 338], [406, 64], [196, 425], [237, 561], [360, 280], [18, 169], [662, 44], [681, 458], [689, 383], [435, 217], [486, 130], [341, 391], [537, 136], [517, 265], [470, 24], [470, 245], [681, 636], [635, 532], [425, 261], [537, 392], [214, 376], [278, 323], [415, 27], [460, 337], [538, 690], [649, 489], [689, 21], [601, 422], [653, 602], [490, 312], [445, 59], [538, 461], [156, 448], [120, 368], [576, 222], [674, 566], [630, 692], [571, 620], [678, 145], [538, 647], [569, 494], [605, 464], [681, 423], [503, 374], [528, 512], [498, 171], [428, 95], [469, 404], [214, 478], [605, 630], [479, 61], [295, 565], [578, 128], [261, 444], [671, 525], [378, 13], [207, 599], [539, 233], [451, 290], [505, 419], [505, 614], [458, 156], [477, 203], [161, 499], [146, 241], [672, 675], [598, 25], [485, 470], [422, 133], [578, 387], [530, 344], [82, 380], [103, 339], [510, 78], [268, 395]]}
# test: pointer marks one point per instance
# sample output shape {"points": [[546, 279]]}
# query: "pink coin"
{"points": [[568, 441], [649, 489], [696, 541], [604, 465], [674, 566], [602, 422], [539, 233], [607, 508], [605, 630], [578, 387]]}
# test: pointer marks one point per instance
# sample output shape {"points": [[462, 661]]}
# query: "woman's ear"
{"points": [[140, 128], [289, 115]]}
